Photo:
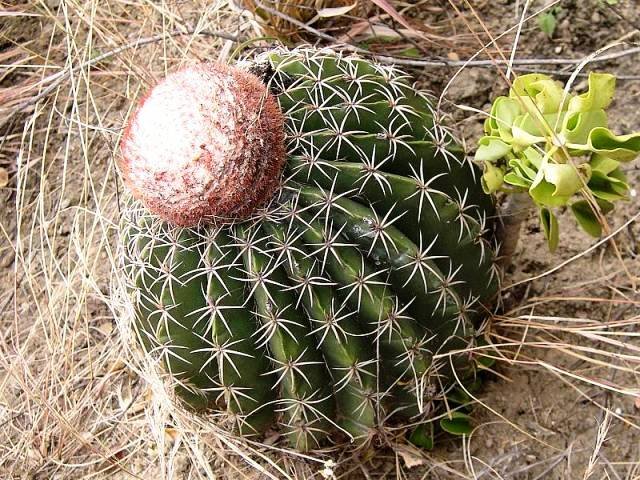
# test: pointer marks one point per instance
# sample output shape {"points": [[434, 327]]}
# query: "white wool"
{"points": [[195, 144], [175, 125]]}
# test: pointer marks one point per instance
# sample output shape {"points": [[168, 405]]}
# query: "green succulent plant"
{"points": [[558, 147], [328, 299]]}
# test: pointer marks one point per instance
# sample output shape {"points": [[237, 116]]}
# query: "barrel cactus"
{"points": [[307, 246]]}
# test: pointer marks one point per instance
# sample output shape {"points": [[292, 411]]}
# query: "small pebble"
{"points": [[453, 56], [4, 177]]}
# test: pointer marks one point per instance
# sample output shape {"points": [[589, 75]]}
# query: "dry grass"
{"points": [[76, 401]]}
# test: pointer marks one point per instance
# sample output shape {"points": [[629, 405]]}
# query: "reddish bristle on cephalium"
{"points": [[205, 145]]}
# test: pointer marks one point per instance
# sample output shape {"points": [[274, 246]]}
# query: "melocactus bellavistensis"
{"points": [[322, 299]]}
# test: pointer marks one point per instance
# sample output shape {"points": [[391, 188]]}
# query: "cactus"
{"points": [[324, 298]]}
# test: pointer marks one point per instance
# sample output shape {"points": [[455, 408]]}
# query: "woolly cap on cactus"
{"points": [[206, 143]]}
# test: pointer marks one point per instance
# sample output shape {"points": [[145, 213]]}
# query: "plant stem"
{"points": [[513, 212]]}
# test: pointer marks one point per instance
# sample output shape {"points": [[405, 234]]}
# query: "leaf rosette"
{"points": [[558, 146]]}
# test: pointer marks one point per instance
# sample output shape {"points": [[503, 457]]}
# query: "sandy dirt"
{"points": [[71, 406]]}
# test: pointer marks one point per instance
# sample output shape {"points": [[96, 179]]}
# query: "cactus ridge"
{"points": [[334, 307]]}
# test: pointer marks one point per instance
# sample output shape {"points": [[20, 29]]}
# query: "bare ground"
{"points": [[563, 402]]}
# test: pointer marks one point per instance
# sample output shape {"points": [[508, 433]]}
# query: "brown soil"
{"points": [[71, 403]]}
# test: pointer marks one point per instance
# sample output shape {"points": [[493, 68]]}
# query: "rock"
{"points": [[471, 83], [4, 177]]}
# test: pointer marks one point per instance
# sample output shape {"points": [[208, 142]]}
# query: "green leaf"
{"points": [[543, 194], [485, 362], [490, 126], [539, 93], [548, 22], [622, 148], [603, 164], [422, 436], [492, 178], [458, 396], [482, 360], [524, 134], [579, 125], [523, 84], [611, 187], [410, 52], [505, 111], [564, 177], [550, 226], [523, 168], [618, 180], [607, 181], [529, 129], [533, 156], [476, 385], [586, 218], [602, 87], [491, 149], [514, 179], [458, 423]]}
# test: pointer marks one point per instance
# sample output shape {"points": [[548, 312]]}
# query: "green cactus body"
{"points": [[324, 310]]}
